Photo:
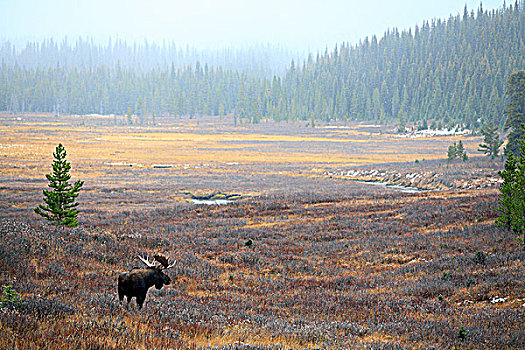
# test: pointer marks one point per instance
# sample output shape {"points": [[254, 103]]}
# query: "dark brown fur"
{"points": [[136, 283]]}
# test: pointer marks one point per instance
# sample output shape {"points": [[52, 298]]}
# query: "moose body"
{"points": [[136, 282]]}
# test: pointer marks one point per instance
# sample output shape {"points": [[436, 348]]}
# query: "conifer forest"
{"points": [[448, 71]]}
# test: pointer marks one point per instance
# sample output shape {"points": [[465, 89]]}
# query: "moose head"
{"points": [[136, 282]]}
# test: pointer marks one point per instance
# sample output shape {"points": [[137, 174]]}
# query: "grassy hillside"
{"points": [[333, 263]]}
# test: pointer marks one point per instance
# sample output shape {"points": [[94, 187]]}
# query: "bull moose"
{"points": [[136, 282]]}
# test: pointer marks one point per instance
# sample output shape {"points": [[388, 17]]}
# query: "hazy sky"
{"points": [[299, 24]]}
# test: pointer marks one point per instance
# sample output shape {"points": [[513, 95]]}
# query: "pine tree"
{"points": [[402, 122], [243, 103], [460, 149], [515, 110], [491, 142], [511, 205], [451, 154], [457, 151], [60, 208]]}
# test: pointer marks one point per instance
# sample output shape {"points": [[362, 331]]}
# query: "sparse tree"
{"points": [[60, 206], [491, 142], [511, 204]]}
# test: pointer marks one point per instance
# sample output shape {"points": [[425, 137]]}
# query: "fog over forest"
{"points": [[297, 25], [440, 73]]}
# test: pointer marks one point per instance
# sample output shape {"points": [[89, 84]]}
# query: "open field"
{"points": [[209, 155], [333, 263]]}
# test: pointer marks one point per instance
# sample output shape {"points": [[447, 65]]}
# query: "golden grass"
{"points": [[26, 148], [95, 154]]}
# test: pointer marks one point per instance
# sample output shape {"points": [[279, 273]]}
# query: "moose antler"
{"points": [[147, 262], [163, 260]]}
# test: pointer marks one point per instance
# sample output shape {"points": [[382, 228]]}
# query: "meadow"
{"points": [[308, 258]]}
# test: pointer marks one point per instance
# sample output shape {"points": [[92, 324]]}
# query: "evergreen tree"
{"points": [[402, 122], [515, 110], [457, 151], [511, 204], [451, 154], [243, 104], [60, 208], [491, 142], [460, 149]]}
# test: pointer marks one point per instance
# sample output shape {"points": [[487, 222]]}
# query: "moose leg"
{"points": [[120, 293], [140, 300]]}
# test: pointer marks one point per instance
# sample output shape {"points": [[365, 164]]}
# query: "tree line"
{"points": [[443, 73], [259, 60], [452, 71]]}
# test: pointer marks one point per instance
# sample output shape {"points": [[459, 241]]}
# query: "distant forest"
{"points": [[444, 72]]}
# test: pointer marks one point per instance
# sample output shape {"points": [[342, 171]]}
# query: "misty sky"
{"points": [[297, 24]]}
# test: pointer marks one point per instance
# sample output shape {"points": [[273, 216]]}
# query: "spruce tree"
{"points": [[515, 110], [457, 151], [451, 154], [60, 206], [491, 142], [511, 206], [460, 150]]}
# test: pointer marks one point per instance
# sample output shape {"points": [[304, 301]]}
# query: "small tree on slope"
{"points": [[511, 205], [491, 142], [60, 206]]}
